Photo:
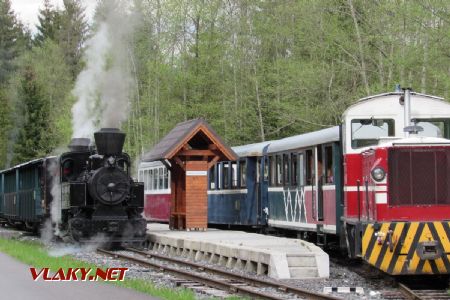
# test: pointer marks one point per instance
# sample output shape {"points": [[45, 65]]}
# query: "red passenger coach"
{"points": [[156, 180]]}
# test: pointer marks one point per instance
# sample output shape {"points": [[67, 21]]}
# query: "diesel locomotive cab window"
{"points": [[366, 132], [434, 127]]}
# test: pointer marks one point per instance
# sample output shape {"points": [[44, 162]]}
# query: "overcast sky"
{"points": [[27, 10]]}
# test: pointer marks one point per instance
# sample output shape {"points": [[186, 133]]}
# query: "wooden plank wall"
{"points": [[178, 203], [196, 195]]}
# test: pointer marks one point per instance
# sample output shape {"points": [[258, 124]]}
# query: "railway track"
{"points": [[406, 293], [423, 294], [196, 276], [398, 291]]}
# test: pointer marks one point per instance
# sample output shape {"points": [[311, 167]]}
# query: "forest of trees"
{"points": [[254, 69]]}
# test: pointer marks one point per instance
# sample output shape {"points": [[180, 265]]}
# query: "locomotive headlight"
{"points": [[378, 174]]}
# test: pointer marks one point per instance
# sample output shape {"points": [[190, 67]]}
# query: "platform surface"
{"points": [[276, 257], [16, 283]]}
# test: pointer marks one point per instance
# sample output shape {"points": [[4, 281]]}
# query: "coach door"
{"points": [[262, 196], [319, 174]]}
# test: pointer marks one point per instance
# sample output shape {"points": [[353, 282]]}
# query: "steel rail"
{"points": [[279, 286], [407, 292], [423, 294], [195, 277]]}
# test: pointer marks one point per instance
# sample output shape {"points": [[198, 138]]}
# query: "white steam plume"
{"points": [[102, 89], [51, 226]]}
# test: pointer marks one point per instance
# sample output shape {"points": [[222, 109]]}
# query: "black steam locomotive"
{"points": [[86, 192]]}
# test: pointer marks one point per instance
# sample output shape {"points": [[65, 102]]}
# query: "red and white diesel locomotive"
{"points": [[396, 182], [378, 183]]}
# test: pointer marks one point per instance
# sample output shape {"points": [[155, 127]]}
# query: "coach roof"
{"points": [[249, 150], [305, 140]]}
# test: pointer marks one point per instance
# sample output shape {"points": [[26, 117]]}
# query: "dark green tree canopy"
{"points": [[32, 141], [68, 27], [49, 24], [13, 39]]}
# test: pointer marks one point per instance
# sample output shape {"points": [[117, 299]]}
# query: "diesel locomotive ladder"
{"points": [[189, 150]]}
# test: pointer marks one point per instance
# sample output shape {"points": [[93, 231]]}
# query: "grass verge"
{"points": [[34, 254]]}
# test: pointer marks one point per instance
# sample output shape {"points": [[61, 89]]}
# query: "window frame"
{"points": [[243, 173], [391, 131]]}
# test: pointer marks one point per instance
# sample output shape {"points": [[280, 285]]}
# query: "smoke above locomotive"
{"points": [[103, 88]]}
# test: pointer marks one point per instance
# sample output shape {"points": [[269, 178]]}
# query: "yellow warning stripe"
{"points": [[402, 257]]}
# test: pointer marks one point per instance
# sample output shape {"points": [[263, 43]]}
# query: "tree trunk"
{"points": [[259, 109], [391, 66], [360, 47], [423, 81]]}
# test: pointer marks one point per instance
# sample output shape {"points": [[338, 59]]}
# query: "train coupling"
{"points": [[429, 250]]}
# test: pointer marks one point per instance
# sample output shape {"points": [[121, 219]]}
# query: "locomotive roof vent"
{"points": [[109, 141], [80, 144]]}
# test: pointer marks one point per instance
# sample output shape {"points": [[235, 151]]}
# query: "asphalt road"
{"points": [[16, 283]]}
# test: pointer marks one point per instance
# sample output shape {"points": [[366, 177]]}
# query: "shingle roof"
{"points": [[168, 147]]}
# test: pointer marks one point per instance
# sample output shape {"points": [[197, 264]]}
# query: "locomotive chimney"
{"points": [[79, 144], [109, 141]]}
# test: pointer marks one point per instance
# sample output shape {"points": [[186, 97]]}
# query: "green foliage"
{"points": [[67, 27], [254, 69], [41, 101], [13, 40], [33, 136], [73, 33], [5, 125], [49, 24]]}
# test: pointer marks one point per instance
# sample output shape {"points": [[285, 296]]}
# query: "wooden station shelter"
{"points": [[189, 150]]}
